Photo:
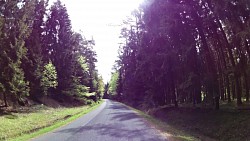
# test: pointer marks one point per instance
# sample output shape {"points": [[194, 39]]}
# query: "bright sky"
{"points": [[93, 18]]}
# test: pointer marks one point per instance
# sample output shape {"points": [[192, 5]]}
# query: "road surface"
{"points": [[111, 121]]}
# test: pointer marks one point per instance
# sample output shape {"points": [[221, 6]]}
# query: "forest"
{"points": [[187, 64], [41, 56], [184, 63], [178, 52]]}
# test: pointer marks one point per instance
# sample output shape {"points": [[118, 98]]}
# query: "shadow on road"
{"points": [[125, 116], [121, 124], [122, 113], [118, 107], [113, 131]]}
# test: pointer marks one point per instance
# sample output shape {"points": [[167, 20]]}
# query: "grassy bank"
{"points": [[223, 125], [30, 123], [167, 130], [192, 124]]}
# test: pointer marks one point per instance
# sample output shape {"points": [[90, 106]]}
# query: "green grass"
{"points": [[191, 124], [226, 124], [170, 132], [23, 126], [220, 125]]}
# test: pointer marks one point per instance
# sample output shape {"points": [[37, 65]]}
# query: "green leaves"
{"points": [[40, 54], [49, 78], [14, 30], [83, 64], [113, 83]]}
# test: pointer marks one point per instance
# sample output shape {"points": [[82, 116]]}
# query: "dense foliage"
{"points": [[185, 51], [42, 56]]}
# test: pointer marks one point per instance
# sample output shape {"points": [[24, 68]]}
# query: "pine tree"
{"points": [[35, 60], [49, 78], [14, 30], [59, 48]]}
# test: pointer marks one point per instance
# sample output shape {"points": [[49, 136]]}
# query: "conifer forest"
{"points": [[184, 51], [41, 56], [184, 65]]}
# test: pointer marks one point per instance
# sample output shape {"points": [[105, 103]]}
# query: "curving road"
{"points": [[111, 121]]}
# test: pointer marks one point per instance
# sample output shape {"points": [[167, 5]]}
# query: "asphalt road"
{"points": [[112, 121]]}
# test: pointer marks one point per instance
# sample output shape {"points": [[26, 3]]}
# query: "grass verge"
{"points": [[223, 125], [24, 126], [194, 124], [170, 132]]}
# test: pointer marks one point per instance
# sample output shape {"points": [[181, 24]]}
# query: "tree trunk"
{"points": [[246, 86], [245, 73], [223, 65], [228, 90], [237, 85], [217, 103], [221, 80], [198, 95], [172, 85], [238, 91], [210, 63], [222, 94], [174, 98], [5, 100], [233, 90]]}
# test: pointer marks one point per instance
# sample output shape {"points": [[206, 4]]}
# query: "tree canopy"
{"points": [[185, 51], [42, 56]]}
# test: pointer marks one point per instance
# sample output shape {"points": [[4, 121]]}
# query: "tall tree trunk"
{"points": [[238, 91], [221, 82], [217, 103], [222, 94], [5, 100], [198, 94], [223, 57], [236, 76], [246, 86], [173, 92], [245, 73], [210, 66], [172, 85], [233, 89], [228, 90]]}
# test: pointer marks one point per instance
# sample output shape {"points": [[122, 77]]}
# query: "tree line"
{"points": [[42, 56], [184, 51]]}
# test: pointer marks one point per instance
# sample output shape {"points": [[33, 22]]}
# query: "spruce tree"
{"points": [[35, 59], [59, 45], [14, 30]]}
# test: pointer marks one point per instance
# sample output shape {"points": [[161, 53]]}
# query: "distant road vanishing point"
{"points": [[111, 121]]}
